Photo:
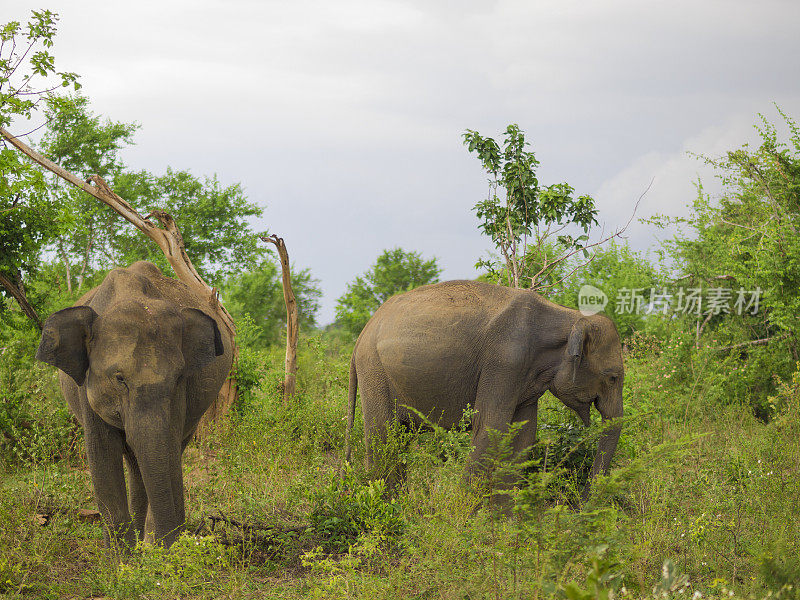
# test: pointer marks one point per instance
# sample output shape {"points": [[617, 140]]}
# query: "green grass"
{"points": [[711, 489]]}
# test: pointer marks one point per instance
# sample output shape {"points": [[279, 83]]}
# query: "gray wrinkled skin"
{"points": [[442, 347], [141, 359]]}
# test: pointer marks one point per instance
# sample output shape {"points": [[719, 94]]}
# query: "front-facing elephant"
{"points": [[443, 347], [141, 360]]}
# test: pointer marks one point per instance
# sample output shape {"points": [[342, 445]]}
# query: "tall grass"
{"points": [[272, 511]]}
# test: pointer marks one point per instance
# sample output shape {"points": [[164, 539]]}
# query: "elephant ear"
{"points": [[63, 342], [202, 342], [578, 338], [579, 341]]}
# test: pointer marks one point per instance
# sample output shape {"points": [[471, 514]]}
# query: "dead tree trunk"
{"points": [[18, 293], [169, 240], [290, 377]]}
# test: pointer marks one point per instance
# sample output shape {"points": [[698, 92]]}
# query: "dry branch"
{"points": [[750, 343], [18, 294], [248, 527], [569, 254], [292, 328]]}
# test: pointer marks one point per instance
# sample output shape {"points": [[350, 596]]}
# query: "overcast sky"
{"points": [[344, 119]]}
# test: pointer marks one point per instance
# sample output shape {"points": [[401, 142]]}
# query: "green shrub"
{"points": [[154, 572], [345, 507], [35, 423]]}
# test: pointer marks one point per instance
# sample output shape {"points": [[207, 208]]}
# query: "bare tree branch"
{"points": [[701, 327], [19, 62], [616, 234], [760, 342], [18, 294]]}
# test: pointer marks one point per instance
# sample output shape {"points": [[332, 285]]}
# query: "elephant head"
{"points": [[591, 373], [133, 363]]}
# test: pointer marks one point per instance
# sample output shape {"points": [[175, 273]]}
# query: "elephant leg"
{"points": [[376, 406], [497, 405], [165, 506], [149, 527], [140, 507], [488, 418], [526, 437], [104, 449], [177, 490], [380, 411], [138, 495], [395, 468]]}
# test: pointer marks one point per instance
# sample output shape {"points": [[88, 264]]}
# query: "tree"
{"points": [[24, 58], [259, 293], [214, 220], [168, 238], [27, 219], [553, 278], [27, 224], [394, 271], [750, 238], [525, 210], [748, 242], [77, 140]]}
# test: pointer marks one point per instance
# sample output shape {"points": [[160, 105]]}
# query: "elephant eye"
{"points": [[613, 379], [121, 379]]}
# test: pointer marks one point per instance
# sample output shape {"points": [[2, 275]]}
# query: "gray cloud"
{"points": [[345, 119]]}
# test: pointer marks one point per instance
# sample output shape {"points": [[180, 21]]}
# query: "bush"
{"points": [[35, 423], [346, 507], [152, 571]]}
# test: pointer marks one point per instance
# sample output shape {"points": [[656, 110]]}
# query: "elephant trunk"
{"points": [[156, 442], [607, 445]]}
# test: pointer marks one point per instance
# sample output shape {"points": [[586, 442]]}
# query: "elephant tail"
{"points": [[351, 407]]}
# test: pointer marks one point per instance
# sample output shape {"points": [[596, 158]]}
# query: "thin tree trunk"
{"points": [[170, 241], [17, 291], [700, 329], [290, 376], [86, 255], [67, 267], [514, 267]]}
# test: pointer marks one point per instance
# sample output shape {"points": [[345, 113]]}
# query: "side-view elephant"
{"points": [[141, 360], [441, 347]]}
